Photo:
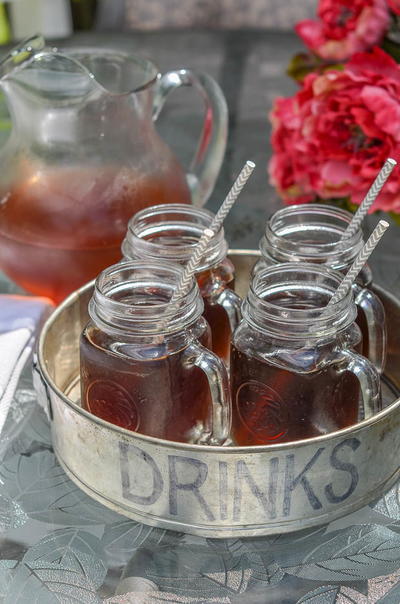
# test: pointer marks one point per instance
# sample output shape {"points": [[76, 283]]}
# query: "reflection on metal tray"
{"points": [[216, 491]]}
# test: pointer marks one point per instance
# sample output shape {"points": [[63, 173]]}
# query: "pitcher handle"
{"points": [[374, 313], [219, 419], [206, 163], [368, 377]]}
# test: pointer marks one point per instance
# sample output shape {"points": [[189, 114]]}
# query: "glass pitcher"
{"points": [[83, 156]]}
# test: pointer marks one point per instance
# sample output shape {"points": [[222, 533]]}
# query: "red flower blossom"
{"points": [[394, 6], [345, 27], [332, 137]]}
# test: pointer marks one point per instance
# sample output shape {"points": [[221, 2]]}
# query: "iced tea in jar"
{"points": [[295, 373], [145, 364], [171, 232], [313, 233]]}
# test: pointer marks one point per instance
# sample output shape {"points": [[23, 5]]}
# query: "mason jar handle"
{"points": [[368, 377], [206, 163], [231, 302], [374, 313], [219, 419]]}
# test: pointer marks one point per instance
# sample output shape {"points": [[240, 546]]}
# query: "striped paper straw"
{"points": [[208, 234], [370, 197], [359, 262]]}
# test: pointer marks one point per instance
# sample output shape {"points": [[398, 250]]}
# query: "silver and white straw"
{"points": [[359, 262], [208, 234], [369, 199]]}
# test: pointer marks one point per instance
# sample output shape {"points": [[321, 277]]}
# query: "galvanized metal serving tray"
{"points": [[215, 491]]}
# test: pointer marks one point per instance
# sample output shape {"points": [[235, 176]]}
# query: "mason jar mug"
{"points": [[295, 372], [171, 232], [145, 364], [313, 233]]}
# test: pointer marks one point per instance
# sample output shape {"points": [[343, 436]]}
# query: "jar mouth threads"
{"points": [[134, 297], [310, 233], [171, 231], [290, 300]]}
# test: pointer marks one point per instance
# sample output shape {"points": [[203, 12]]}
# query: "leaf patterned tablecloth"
{"points": [[59, 545]]}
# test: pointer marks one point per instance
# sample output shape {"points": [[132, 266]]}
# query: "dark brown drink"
{"points": [[162, 396], [313, 234], [273, 405], [214, 313], [172, 232], [221, 331]]}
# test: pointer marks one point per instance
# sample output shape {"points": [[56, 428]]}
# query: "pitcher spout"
{"points": [[21, 54], [112, 73]]}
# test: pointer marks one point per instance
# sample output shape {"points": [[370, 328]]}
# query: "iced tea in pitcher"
{"points": [[60, 227], [84, 156]]}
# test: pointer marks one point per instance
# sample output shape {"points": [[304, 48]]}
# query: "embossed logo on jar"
{"points": [[113, 403], [262, 410]]}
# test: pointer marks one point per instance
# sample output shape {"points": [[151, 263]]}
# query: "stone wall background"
{"points": [[223, 14]]}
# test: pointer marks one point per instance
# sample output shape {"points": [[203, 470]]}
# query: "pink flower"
{"points": [[332, 137], [345, 27], [394, 6]]}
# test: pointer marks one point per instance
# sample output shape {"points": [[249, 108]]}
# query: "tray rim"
{"points": [[228, 531]]}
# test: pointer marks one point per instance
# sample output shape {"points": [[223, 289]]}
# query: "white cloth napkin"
{"points": [[20, 320]]}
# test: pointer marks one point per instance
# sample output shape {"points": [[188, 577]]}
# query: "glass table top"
{"points": [[59, 545]]}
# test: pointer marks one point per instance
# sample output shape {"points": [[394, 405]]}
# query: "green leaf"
{"points": [[5, 35], [304, 63], [40, 486], [121, 539], [152, 597], [21, 416], [5, 125], [322, 595], [341, 202], [389, 504], [260, 556], [392, 596], [395, 217], [11, 514], [392, 47], [45, 583], [357, 552], [6, 574], [200, 571], [73, 549]]}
